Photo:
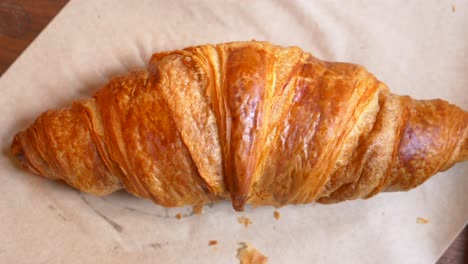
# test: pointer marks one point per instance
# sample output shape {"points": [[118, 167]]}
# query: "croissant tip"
{"points": [[17, 151], [19, 156], [238, 203]]}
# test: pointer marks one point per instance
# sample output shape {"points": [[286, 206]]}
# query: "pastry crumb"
{"points": [[250, 255], [422, 220], [277, 215], [178, 216], [197, 209], [212, 242], [244, 220], [454, 8]]}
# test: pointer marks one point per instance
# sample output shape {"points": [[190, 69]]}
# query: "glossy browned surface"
{"points": [[19, 28], [329, 132]]}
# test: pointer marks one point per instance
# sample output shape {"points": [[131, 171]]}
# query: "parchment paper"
{"points": [[419, 48]]}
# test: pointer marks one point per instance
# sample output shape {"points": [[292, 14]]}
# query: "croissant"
{"points": [[250, 121]]}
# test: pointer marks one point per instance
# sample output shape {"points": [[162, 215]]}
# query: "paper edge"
{"points": [[452, 239], [34, 41]]}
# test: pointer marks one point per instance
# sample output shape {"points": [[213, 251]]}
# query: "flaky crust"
{"points": [[250, 121]]}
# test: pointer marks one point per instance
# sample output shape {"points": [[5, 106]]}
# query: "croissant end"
{"points": [[19, 155]]}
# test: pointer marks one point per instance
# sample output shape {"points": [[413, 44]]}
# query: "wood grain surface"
{"points": [[22, 20], [20, 23]]}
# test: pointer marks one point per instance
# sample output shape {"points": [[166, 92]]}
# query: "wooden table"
{"points": [[22, 20]]}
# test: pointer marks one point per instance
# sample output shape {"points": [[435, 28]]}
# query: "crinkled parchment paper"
{"points": [[419, 48]]}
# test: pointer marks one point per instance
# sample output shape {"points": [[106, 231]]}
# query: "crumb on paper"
{"points": [[277, 215], [212, 242], [244, 220], [454, 8], [178, 216], [197, 209], [422, 220], [250, 255]]}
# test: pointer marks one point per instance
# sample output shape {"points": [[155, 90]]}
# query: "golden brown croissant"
{"points": [[257, 123]]}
